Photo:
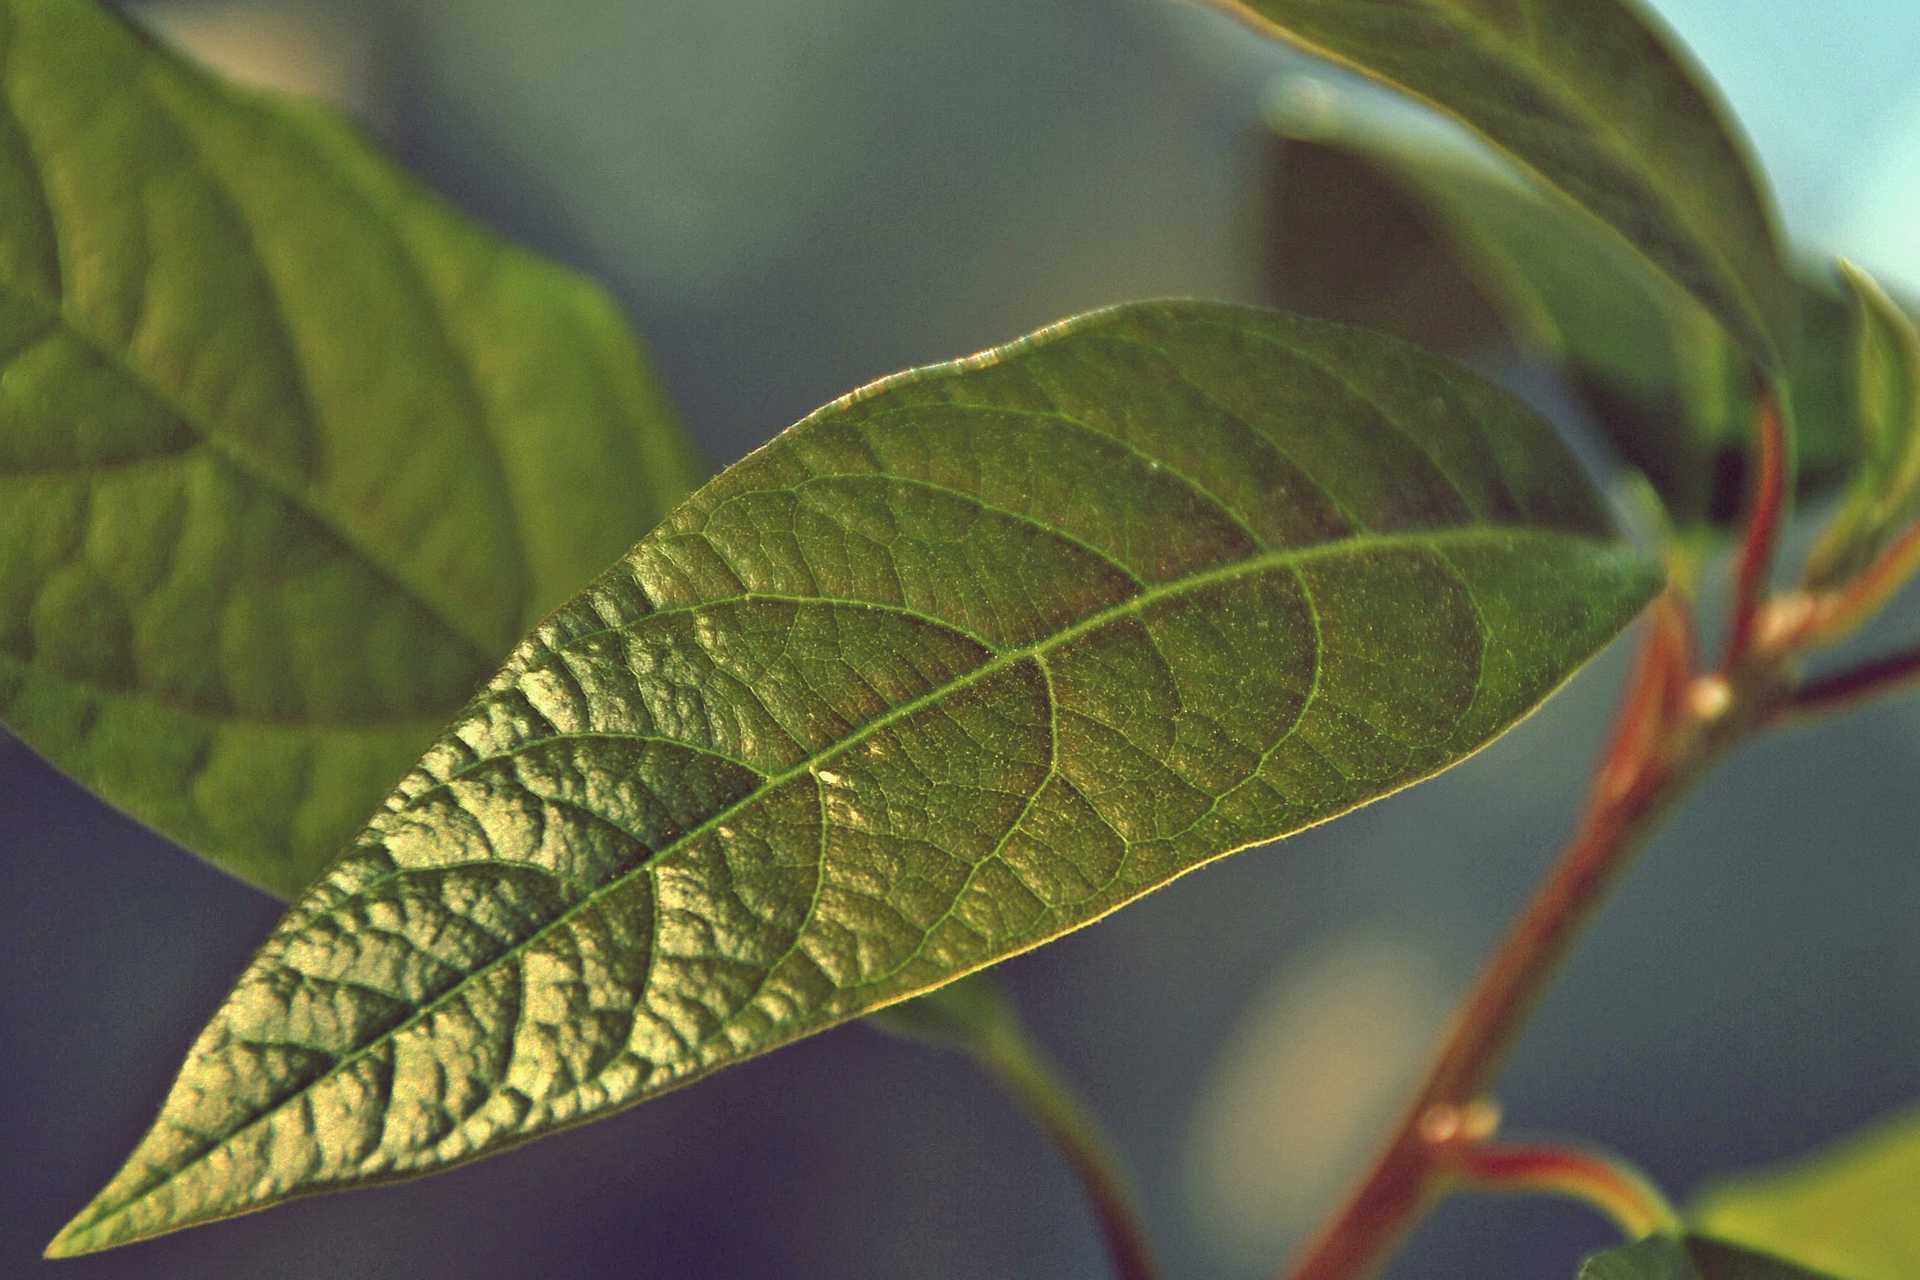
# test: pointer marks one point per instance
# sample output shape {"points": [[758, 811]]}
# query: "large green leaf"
{"points": [[291, 454], [1854, 1210], [1694, 1258], [1597, 101], [1669, 386], [964, 661]]}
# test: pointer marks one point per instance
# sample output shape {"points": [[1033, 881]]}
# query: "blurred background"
{"points": [[794, 199]]}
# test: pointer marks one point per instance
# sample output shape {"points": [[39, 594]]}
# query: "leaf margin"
{"points": [[1643, 574]]}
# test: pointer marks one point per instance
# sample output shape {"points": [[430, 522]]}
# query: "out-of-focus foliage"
{"points": [[290, 452], [1694, 1258], [1850, 1210], [1885, 500], [1668, 386], [1595, 99]]}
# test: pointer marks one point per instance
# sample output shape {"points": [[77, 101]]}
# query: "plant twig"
{"points": [[1614, 1188], [1843, 690], [1766, 503], [1671, 726]]}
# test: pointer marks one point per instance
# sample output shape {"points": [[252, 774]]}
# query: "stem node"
{"points": [[1445, 1123], [1709, 697]]}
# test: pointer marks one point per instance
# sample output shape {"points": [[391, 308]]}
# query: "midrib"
{"points": [[1419, 540]]}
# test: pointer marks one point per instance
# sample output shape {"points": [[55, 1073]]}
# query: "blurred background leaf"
{"points": [[1666, 384], [1853, 1209], [1882, 364], [1693, 1258], [1601, 105], [290, 452]]}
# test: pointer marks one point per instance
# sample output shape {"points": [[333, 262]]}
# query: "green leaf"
{"points": [[291, 454], [1666, 382], [1854, 1210], [1695, 1258], [1597, 101], [1346, 243], [1885, 368], [964, 661]]}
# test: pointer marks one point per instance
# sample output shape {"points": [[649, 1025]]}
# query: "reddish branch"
{"points": [[1894, 673], [1766, 503], [1638, 774], [1625, 1196], [1671, 725]]}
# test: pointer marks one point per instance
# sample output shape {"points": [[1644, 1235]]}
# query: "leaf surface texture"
{"points": [[962, 662]]}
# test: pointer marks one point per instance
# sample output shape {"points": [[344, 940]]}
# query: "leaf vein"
{"points": [[1265, 562]]}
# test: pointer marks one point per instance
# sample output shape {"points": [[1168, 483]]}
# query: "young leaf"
{"points": [[1598, 102], [1694, 1258], [290, 452], [1669, 387], [1851, 1211], [1885, 351], [965, 660]]}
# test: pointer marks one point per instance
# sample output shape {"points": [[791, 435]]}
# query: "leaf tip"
{"points": [[83, 1234], [71, 1240]]}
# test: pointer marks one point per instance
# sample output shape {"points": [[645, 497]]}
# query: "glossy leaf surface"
{"points": [[1665, 381], [962, 662], [291, 454], [1694, 1258], [1851, 1210], [1600, 103], [1885, 367]]}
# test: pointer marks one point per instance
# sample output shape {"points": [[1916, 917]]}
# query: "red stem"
{"points": [[1635, 779], [1670, 727], [1892, 673], [1765, 504], [1620, 1193]]}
